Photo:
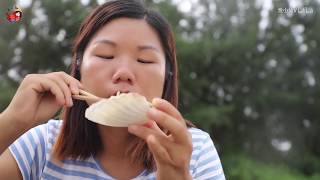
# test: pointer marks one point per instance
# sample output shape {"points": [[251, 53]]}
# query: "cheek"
{"points": [[92, 73], [87, 69], [155, 78]]}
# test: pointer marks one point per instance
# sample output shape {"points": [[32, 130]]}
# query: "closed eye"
{"points": [[144, 61], [104, 57]]}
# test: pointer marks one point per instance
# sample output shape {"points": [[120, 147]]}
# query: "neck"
{"points": [[113, 158], [115, 140]]}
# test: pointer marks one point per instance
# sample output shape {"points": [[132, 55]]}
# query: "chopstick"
{"points": [[86, 96]]}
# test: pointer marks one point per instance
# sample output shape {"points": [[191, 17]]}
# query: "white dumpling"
{"points": [[119, 111]]}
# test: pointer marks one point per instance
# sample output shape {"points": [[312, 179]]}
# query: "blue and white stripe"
{"points": [[32, 152]]}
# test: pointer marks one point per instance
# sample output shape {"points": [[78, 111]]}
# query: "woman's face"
{"points": [[125, 55]]}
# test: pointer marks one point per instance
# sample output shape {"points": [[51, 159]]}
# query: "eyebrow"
{"points": [[147, 47], [105, 41], [140, 48]]}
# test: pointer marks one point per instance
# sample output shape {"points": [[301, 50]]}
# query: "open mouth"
{"points": [[119, 92]]}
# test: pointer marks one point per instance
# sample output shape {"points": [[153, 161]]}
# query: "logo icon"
{"points": [[14, 15]]}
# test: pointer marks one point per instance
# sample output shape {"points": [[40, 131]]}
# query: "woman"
{"points": [[121, 46]]}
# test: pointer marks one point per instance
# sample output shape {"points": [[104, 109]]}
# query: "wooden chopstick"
{"points": [[86, 96]]}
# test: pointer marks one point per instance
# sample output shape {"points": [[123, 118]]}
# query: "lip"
{"points": [[114, 92]]}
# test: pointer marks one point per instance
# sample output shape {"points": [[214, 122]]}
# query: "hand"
{"points": [[172, 153], [40, 96]]}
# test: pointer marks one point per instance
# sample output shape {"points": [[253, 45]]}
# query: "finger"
{"points": [[161, 139], [159, 152], [161, 146], [153, 125], [74, 83], [167, 107], [64, 86], [48, 85], [74, 88], [144, 132], [177, 129], [78, 97]]}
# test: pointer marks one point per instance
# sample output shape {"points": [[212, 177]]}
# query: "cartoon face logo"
{"points": [[15, 15]]}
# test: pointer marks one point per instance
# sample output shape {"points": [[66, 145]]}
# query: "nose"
{"points": [[123, 74]]}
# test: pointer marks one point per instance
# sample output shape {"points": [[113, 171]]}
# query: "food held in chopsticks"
{"points": [[121, 110]]}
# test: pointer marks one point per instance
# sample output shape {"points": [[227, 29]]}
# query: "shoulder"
{"points": [[53, 126], [199, 136], [202, 143], [197, 132], [30, 149], [205, 162], [39, 136], [48, 130]]}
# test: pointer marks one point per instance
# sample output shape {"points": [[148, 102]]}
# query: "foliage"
{"points": [[242, 167]]}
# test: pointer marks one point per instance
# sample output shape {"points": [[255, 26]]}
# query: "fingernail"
{"points": [[155, 100]]}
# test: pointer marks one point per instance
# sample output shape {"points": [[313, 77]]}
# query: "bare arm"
{"points": [[8, 167], [9, 133], [37, 99]]}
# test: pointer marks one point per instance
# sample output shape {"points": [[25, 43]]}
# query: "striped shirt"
{"points": [[32, 152]]}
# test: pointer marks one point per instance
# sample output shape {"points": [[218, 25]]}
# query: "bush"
{"points": [[242, 167]]}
